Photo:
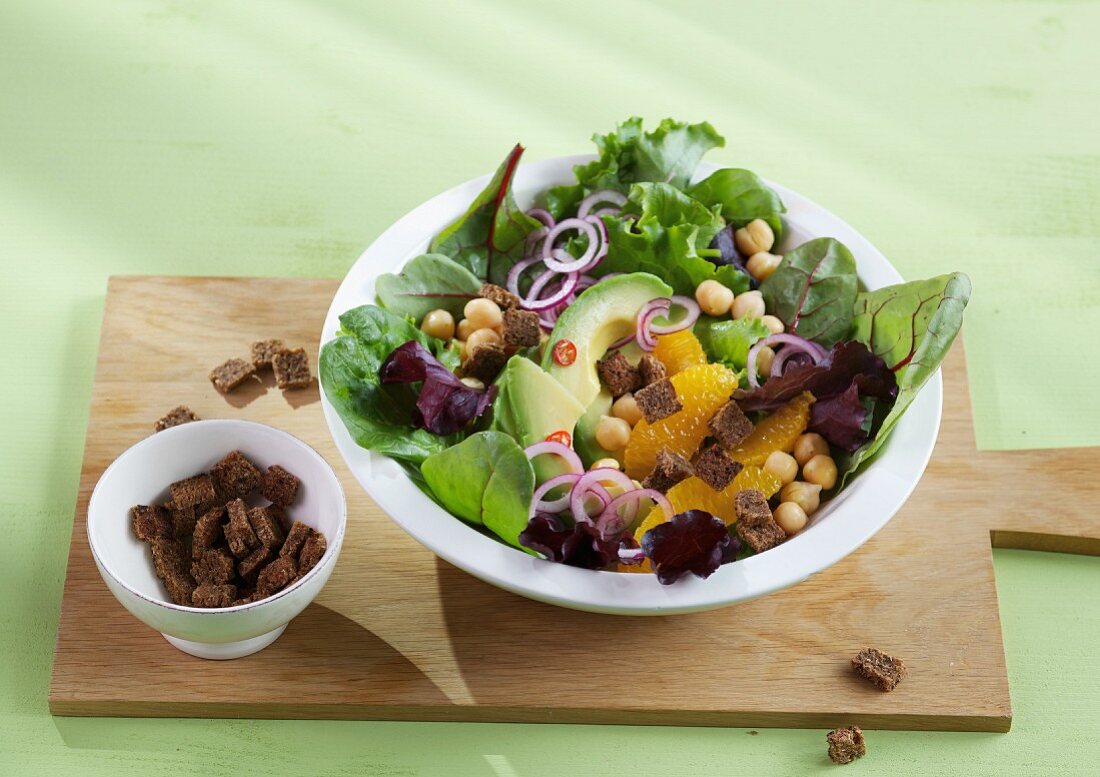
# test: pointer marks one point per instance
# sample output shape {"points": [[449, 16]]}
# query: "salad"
{"points": [[630, 376]]}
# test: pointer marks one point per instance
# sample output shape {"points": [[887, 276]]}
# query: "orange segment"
{"points": [[777, 432], [679, 350], [702, 389]]}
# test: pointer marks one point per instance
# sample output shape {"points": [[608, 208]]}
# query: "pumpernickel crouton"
{"points": [[235, 476], [263, 352], [151, 522], [881, 669], [230, 374], [267, 523], [192, 491], [250, 565], [485, 363], [650, 370], [276, 575], [658, 400], [504, 298], [520, 328], [238, 531], [669, 470], [214, 566], [208, 531], [279, 486], [214, 595], [846, 744], [617, 374], [181, 414], [715, 468], [292, 369], [755, 523], [729, 425], [295, 539], [312, 551]]}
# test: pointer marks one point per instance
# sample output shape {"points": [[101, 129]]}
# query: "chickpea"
{"points": [[809, 445], [805, 495], [774, 325], [754, 237], [464, 329], [761, 265], [474, 383], [749, 304], [606, 464], [479, 338], [790, 517], [714, 298], [612, 433], [438, 323], [626, 408], [461, 346], [821, 471], [782, 465], [483, 313], [764, 360]]}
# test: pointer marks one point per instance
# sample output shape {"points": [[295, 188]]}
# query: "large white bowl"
{"points": [[838, 528], [141, 476]]}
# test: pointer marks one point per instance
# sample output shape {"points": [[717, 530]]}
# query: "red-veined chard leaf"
{"points": [[813, 291], [428, 282], [489, 237]]}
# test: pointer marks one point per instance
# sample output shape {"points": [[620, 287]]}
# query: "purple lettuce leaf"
{"points": [[842, 419], [445, 404], [693, 541], [576, 546]]}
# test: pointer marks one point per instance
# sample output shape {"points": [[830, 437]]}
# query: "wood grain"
{"points": [[399, 634]]}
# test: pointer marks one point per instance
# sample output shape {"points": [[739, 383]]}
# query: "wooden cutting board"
{"points": [[399, 634]]}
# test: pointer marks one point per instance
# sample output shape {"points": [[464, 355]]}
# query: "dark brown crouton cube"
{"points": [[504, 298], [292, 369], [617, 374], [276, 575], [181, 414], [846, 744], [150, 522], [247, 596], [669, 470], [182, 518], [279, 486], [214, 595], [180, 587], [168, 558], [520, 328], [485, 363], [230, 374], [263, 351], [882, 670], [755, 523], [650, 370], [729, 425], [192, 491], [214, 566], [295, 539], [208, 531], [238, 532], [715, 468], [267, 523], [250, 565], [658, 400], [235, 476], [312, 551]]}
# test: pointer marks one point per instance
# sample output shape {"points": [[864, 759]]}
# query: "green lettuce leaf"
{"points": [[742, 197], [377, 416], [487, 480], [628, 155], [728, 340], [666, 240], [911, 326], [489, 238], [813, 291], [428, 282]]}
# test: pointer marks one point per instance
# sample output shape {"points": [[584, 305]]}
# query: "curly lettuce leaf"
{"points": [[668, 154], [666, 239], [742, 197], [486, 480], [428, 282], [911, 326], [813, 291], [489, 238]]}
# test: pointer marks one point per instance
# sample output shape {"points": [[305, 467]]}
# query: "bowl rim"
{"points": [[542, 580], [170, 433]]}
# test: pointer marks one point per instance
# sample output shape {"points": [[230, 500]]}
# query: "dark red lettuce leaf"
{"points": [[693, 541], [841, 419], [733, 549], [445, 404], [576, 546]]}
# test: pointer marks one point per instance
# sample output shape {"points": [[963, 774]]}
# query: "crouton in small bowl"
{"points": [[217, 533]]}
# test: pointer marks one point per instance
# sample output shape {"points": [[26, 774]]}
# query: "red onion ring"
{"points": [[660, 306], [568, 286], [798, 344], [611, 523], [552, 257], [540, 505], [592, 481], [604, 195], [631, 556], [566, 453], [541, 214], [512, 282], [692, 308]]}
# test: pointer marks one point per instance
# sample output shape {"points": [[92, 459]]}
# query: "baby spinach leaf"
{"points": [[911, 326], [742, 197], [489, 238], [487, 480], [377, 416], [728, 340], [428, 282], [813, 290], [665, 240]]}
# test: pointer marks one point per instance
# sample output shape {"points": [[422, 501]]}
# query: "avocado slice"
{"points": [[601, 315], [584, 436], [529, 406]]}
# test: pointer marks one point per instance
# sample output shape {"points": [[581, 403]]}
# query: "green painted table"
{"points": [[279, 139]]}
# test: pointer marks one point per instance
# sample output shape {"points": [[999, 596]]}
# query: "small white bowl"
{"points": [[838, 528], [142, 474]]}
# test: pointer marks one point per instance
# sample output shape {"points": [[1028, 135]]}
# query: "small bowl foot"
{"points": [[226, 650]]}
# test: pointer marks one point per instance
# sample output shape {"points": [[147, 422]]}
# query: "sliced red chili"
{"points": [[565, 353], [561, 436]]}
